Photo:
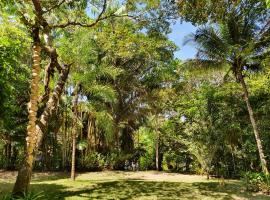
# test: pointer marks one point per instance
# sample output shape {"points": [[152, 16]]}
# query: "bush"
{"points": [[3, 162], [93, 161], [121, 161], [147, 162], [117, 160], [256, 182]]}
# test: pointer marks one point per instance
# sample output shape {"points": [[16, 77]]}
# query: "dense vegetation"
{"points": [[91, 85]]}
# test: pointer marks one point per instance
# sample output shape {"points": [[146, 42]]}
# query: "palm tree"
{"points": [[239, 43]]}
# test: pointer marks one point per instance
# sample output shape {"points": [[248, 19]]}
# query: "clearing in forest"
{"points": [[149, 185]]}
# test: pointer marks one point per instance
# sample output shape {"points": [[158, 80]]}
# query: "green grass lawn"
{"points": [[131, 185]]}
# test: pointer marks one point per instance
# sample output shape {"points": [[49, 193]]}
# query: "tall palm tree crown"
{"points": [[241, 41]]}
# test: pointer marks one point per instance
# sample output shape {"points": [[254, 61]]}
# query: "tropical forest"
{"points": [[135, 99]]}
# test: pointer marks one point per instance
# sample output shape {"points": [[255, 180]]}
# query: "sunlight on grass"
{"points": [[134, 185]]}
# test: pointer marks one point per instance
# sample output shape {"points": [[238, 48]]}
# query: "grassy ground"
{"points": [[131, 185]]}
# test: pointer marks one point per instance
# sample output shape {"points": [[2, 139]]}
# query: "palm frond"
{"points": [[204, 64], [210, 43], [110, 72], [202, 68], [105, 92], [105, 122]]}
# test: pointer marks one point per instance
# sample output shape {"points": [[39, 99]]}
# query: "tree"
{"points": [[14, 75], [35, 15], [239, 44], [213, 11], [119, 69], [74, 129]]}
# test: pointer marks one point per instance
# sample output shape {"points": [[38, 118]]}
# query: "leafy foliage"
{"points": [[257, 182], [28, 196], [138, 106]]}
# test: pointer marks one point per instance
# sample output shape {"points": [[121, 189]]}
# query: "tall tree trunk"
{"points": [[64, 146], [14, 157], [95, 135], [117, 135], [90, 138], [254, 125], [35, 132], [157, 152], [187, 163], [74, 131], [24, 174], [8, 154], [73, 158]]}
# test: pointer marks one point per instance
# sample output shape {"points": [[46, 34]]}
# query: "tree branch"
{"points": [[74, 23], [54, 6], [103, 10], [49, 70], [38, 8], [52, 104], [26, 22]]}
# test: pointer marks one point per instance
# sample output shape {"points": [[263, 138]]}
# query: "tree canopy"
{"points": [[90, 85]]}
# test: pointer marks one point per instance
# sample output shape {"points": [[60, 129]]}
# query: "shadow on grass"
{"points": [[148, 190], [138, 189]]}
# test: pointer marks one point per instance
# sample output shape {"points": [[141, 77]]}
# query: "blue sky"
{"points": [[179, 31]]}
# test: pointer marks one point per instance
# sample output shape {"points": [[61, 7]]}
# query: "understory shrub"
{"points": [[256, 182], [117, 160], [3, 162], [93, 161], [147, 162], [174, 161], [121, 161], [125, 161]]}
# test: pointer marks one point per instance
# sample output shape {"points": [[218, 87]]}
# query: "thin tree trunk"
{"points": [[14, 157], [8, 154], [233, 160], [89, 135], [95, 135], [74, 130], [73, 163], [24, 174], [254, 125], [64, 146], [52, 104], [187, 163], [157, 152], [116, 136]]}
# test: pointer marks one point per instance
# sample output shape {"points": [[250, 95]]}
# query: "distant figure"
{"points": [[133, 166]]}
